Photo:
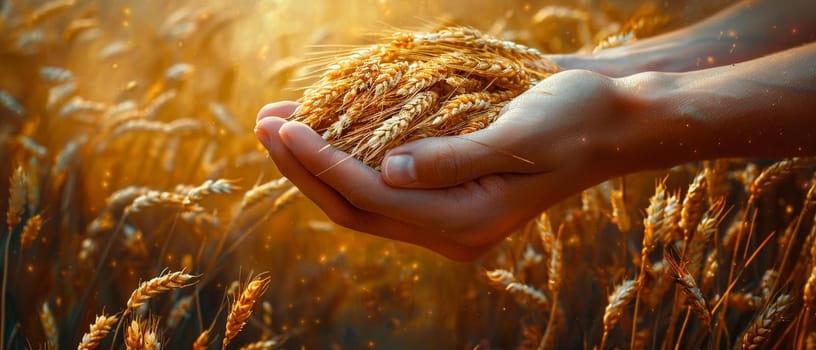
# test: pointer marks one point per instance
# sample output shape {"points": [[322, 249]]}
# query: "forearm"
{"points": [[761, 108], [744, 31]]}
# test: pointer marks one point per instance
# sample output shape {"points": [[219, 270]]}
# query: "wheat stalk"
{"points": [[48, 9], [202, 340], [809, 295], [242, 307], [263, 345], [134, 336], [258, 193], [671, 220], [59, 93], [158, 285], [688, 285], [155, 198], [98, 331], [209, 187], [776, 173], [30, 231], [11, 104], [693, 205], [619, 298], [17, 198], [49, 325], [368, 99], [766, 322]]}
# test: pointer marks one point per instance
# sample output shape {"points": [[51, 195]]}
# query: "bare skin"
{"points": [[459, 198]]}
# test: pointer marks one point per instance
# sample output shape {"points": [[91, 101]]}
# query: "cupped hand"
{"points": [[461, 195]]}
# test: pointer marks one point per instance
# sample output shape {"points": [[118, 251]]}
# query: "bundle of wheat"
{"points": [[449, 82]]}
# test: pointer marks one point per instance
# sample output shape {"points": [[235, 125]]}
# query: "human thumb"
{"points": [[447, 161]]}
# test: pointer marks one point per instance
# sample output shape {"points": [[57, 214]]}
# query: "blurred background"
{"points": [[102, 96]]}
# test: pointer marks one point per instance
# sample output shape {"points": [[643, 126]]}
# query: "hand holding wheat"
{"points": [[458, 195], [468, 191]]}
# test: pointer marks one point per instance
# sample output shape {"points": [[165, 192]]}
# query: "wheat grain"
{"points": [[767, 284], [390, 75], [471, 70], [11, 104], [17, 198], [554, 277], [705, 232], [459, 105], [181, 126], [67, 154], [134, 336], [202, 341], [98, 331], [164, 283], [32, 146], [809, 295], [776, 173], [49, 325], [559, 12], [693, 205], [48, 9], [266, 190], [810, 341], [531, 295], [263, 345], [78, 26], [766, 322], [56, 74], [619, 298], [397, 125], [153, 198], [59, 93], [78, 105], [710, 270], [688, 285], [151, 340], [420, 77], [500, 278], [209, 187], [242, 307], [620, 216], [669, 228], [30, 231], [179, 72], [151, 111]]}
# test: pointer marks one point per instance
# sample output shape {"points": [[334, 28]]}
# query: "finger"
{"points": [[448, 161], [281, 109], [343, 213], [362, 186]]}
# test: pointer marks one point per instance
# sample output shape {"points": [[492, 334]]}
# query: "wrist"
{"points": [[659, 126]]}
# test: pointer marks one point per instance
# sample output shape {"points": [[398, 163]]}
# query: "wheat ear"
{"points": [[158, 285], [242, 307], [766, 322], [49, 325], [98, 331]]}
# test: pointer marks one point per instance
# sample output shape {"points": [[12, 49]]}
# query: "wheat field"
{"points": [[141, 212]]}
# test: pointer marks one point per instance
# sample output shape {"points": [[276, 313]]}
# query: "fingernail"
{"points": [[263, 134], [400, 170]]}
